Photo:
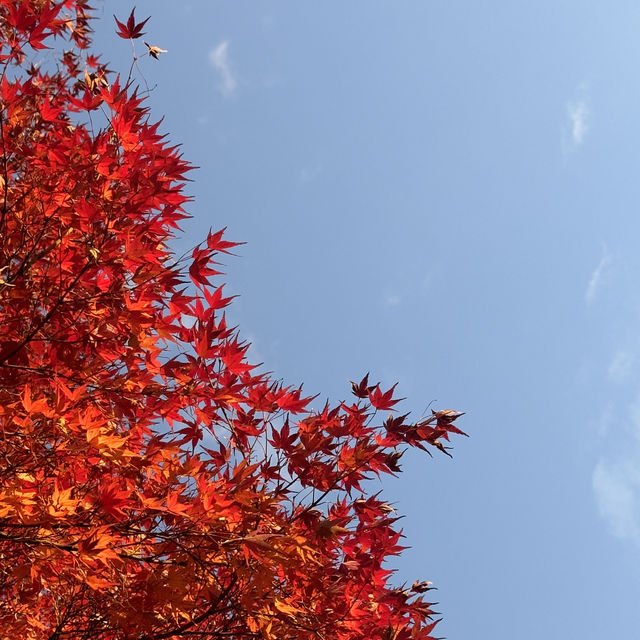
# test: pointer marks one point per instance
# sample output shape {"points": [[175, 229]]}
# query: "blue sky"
{"points": [[444, 194]]}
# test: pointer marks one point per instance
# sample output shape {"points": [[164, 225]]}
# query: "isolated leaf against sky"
{"points": [[132, 29], [155, 51]]}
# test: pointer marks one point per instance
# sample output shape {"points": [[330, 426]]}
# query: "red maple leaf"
{"points": [[131, 30], [383, 401]]}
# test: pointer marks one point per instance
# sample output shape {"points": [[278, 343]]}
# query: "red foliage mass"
{"points": [[152, 483]]}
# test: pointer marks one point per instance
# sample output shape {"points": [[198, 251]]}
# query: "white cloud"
{"points": [[634, 421], [219, 59], [616, 480], [596, 277], [578, 113], [617, 492], [621, 367], [392, 299]]}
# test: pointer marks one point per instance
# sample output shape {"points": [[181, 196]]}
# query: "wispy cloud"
{"points": [[597, 277], [428, 279], [219, 59], [578, 113], [577, 121], [616, 479], [392, 299], [621, 366], [616, 489]]}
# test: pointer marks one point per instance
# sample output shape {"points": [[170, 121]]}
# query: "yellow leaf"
{"points": [[283, 607], [154, 51], [97, 583]]}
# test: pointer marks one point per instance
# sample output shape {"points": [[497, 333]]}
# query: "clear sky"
{"points": [[446, 194]]}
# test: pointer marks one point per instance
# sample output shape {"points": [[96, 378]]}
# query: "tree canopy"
{"points": [[153, 483]]}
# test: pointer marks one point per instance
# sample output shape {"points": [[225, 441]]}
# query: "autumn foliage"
{"points": [[153, 483]]}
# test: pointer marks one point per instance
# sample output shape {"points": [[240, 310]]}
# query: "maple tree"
{"points": [[153, 483]]}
